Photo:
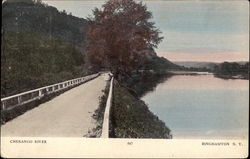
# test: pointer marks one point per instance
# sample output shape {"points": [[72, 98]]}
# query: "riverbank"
{"points": [[189, 73], [230, 76], [131, 118]]}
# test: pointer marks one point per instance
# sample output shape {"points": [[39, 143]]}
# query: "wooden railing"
{"points": [[105, 124], [29, 96]]}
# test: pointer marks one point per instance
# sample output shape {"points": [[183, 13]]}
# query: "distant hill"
{"points": [[153, 62], [189, 64], [40, 46], [242, 62], [35, 16], [208, 65]]}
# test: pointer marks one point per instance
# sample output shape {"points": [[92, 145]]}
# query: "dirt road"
{"points": [[67, 115]]}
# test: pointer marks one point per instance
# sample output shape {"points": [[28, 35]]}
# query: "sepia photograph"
{"points": [[125, 78]]}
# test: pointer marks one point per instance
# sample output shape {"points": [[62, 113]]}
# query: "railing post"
{"points": [[40, 93], [19, 100], [3, 105]]}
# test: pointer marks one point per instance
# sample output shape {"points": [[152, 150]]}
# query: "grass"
{"points": [[131, 118]]}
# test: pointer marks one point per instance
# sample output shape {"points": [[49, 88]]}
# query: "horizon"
{"points": [[207, 61], [173, 57], [212, 31]]}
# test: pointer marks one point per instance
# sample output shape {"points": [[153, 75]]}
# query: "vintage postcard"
{"points": [[125, 79]]}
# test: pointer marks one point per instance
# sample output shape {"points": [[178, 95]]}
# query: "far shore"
{"points": [[224, 76], [189, 73]]}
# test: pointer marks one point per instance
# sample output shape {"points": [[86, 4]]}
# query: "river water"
{"points": [[202, 106]]}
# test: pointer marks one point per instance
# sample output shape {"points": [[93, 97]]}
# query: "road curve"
{"points": [[67, 115]]}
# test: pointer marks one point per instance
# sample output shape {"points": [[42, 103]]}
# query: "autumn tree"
{"points": [[118, 33]]}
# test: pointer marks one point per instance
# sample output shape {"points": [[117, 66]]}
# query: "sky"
{"points": [[193, 30]]}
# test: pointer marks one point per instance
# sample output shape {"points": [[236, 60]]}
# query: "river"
{"points": [[202, 106]]}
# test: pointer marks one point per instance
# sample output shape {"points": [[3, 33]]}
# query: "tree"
{"points": [[118, 35], [23, 1]]}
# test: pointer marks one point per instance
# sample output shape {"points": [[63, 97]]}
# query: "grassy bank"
{"points": [[131, 118]]}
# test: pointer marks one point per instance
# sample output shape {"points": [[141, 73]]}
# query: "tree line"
{"points": [[232, 68]]}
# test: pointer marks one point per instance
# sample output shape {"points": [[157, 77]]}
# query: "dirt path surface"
{"points": [[67, 115]]}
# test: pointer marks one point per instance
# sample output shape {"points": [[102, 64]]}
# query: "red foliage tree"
{"points": [[118, 33]]}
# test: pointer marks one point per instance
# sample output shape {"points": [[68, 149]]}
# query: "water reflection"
{"points": [[201, 106], [142, 84]]}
